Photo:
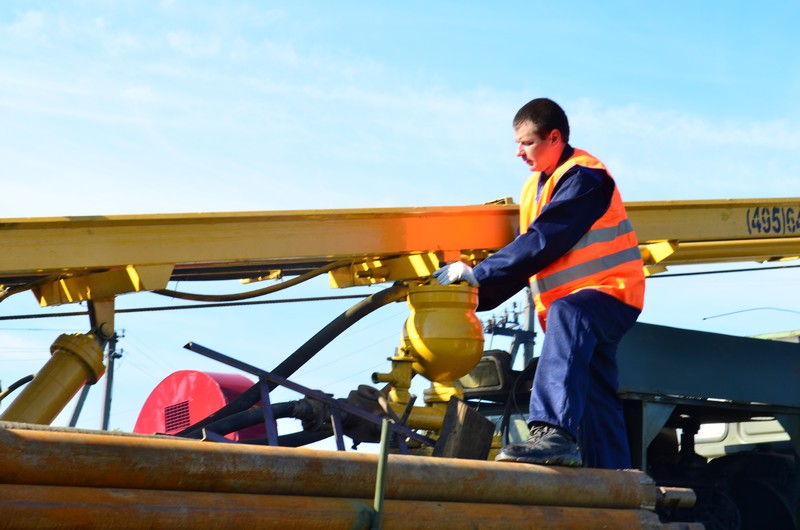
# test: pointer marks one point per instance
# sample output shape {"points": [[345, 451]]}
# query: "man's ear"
{"points": [[555, 136]]}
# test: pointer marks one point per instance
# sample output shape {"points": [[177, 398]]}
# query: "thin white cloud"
{"points": [[254, 111], [28, 24], [672, 154], [194, 45], [139, 94]]}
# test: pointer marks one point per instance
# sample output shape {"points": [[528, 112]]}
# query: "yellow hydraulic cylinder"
{"points": [[428, 418], [442, 332], [442, 340], [76, 360]]}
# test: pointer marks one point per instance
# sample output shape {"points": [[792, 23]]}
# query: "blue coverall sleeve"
{"points": [[580, 198]]}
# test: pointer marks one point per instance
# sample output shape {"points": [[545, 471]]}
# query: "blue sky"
{"points": [[157, 107]]}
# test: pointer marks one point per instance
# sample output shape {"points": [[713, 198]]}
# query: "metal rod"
{"points": [[336, 420], [269, 418], [380, 479], [401, 442], [215, 437], [79, 405]]}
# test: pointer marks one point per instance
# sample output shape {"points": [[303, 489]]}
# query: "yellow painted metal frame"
{"points": [[103, 285], [372, 271], [85, 243], [98, 254], [715, 231]]}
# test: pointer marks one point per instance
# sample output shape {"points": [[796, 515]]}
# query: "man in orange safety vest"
{"points": [[578, 253]]}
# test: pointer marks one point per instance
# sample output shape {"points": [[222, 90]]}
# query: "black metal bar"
{"points": [[403, 419], [316, 394], [79, 405], [380, 479], [401, 442], [214, 437], [336, 419], [269, 417]]}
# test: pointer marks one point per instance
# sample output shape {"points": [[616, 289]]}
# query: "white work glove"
{"points": [[454, 272]]}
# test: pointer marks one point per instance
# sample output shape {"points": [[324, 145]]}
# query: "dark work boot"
{"points": [[546, 445]]}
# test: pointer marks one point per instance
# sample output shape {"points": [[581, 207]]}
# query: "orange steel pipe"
{"points": [[117, 461], [25, 506]]}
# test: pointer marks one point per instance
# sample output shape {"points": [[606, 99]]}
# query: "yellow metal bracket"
{"points": [[654, 253], [273, 274], [379, 270], [102, 285], [658, 251], [473, 257], [650, 270]]}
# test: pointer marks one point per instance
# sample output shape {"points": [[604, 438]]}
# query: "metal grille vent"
{"points": [[176, 417]]}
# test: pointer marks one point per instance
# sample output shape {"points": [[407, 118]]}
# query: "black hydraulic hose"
{"points": [[246, 418], [15, 385], [300, 438], [306, 352], [295, 439], [337, 326], [244, 401], [254, 294], [512, 397], [5, 292]]}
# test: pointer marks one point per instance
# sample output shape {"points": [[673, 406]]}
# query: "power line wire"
{"points": [[188, 306], [700, 273]]}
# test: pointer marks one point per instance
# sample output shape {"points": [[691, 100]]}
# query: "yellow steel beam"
{"points": [[716, 220], [715, 231], [698, 252], [56, 245], [670, 233]]}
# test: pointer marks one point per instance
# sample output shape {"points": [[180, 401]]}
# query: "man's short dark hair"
{"points": [[546, 115]]}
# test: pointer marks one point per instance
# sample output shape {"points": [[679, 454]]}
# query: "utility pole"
{"points": [[113, 355]]}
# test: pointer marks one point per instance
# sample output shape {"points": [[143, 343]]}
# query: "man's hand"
{"points": [[454, 272]]}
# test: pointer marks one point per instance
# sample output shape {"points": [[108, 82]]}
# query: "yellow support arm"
{"points": [[73, 257], [714, 231], [41, 252]]}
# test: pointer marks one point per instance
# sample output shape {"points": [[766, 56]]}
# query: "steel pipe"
{"points": [[98, 460], [26, 506]]}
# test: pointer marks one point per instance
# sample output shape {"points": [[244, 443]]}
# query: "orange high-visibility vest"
{"points": [[606, 258]]}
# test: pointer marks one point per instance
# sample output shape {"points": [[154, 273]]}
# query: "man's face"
{"points": [[541, 154]]}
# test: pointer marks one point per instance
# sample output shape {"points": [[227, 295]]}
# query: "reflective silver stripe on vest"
{"points": [[582, 270], [601, 235]]}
